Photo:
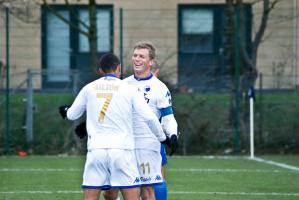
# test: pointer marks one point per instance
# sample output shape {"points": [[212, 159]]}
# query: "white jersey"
{"points": [[109, 104], [158, 97]]}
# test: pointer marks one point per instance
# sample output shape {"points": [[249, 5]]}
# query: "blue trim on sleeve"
{"points": [[166, 111]]}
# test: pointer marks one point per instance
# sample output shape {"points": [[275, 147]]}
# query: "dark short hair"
{"points": [[108, 62]]}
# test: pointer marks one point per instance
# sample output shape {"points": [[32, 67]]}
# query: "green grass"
{"points": [[188, 177], [287, 159]]}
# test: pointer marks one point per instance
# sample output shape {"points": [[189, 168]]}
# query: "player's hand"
{"points": [[173, 144], [80, 130], [63, 110], [166, 141]]}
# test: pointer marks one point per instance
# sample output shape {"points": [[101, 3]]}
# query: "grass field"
{"points": [[190, 177]]}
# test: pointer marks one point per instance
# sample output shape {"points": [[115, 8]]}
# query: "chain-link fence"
{"points": [[206, 120], [193, 63], [33, 118]]}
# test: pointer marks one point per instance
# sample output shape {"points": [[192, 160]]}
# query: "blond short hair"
{"points": [[146, 45]]}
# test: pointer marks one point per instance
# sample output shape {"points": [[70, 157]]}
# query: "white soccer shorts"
{"points": [[149, 165], [110, 168]]}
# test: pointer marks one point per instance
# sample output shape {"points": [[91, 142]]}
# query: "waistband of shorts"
{"points": [[103, 187]]}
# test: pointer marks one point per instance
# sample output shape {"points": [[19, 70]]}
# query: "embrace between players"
{"points": [[124, 134]]}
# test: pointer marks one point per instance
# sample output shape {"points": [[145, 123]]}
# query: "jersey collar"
{"points": [[143, 79], [110, 75]]}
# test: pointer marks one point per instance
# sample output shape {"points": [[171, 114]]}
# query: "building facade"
{"points": [[189, 36]]}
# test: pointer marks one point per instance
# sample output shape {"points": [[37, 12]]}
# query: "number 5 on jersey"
{"points": [[108, 98]]}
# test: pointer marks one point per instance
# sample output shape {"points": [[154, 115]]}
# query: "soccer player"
{"points": [[110, 104], [158, 97]]}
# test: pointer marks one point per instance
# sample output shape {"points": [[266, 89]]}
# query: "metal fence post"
{"points": [[75, 74], [29, 113], [261, 109], [121, 42], [7, 116], [237, 80]]}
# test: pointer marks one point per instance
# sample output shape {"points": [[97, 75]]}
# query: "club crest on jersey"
{"points": [[147, 88]]}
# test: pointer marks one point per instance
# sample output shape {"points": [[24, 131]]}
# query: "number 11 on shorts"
{"points": [[144, 166]]}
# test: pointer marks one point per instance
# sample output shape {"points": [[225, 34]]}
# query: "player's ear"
{"points": [[118, 70], [156, 72], [101, 71], [151, 63]]}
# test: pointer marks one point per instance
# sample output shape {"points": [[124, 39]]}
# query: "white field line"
{"points": [[39, 170], [239, 193], [43, 192], [176, 193], [199, 170], [211, 157], [228, 170], [282, 165]]}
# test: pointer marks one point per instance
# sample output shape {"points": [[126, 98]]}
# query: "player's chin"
{"points": [[138, 69]]}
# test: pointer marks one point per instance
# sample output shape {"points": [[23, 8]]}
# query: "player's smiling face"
{"points": [[141, 61]]}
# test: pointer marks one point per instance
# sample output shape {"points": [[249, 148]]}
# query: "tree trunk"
{"points": [[93, 35], [248, 68], [230, 57]]}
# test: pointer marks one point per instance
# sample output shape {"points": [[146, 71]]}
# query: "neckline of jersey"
{"points": [[145, 78], [111, 75]]}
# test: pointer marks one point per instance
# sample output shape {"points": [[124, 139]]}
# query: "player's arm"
{"points": [[168, 121], [77, 109], [170, 128], [141, 107]]}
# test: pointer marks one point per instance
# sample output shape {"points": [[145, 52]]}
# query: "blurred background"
{"points": [[209, 52]]}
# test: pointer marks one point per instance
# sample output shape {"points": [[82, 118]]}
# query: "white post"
{"points": [[29, 111], [251, 129]]}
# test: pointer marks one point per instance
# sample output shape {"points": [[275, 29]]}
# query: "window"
{"points": [[197, 30], [65, 48], [202, 43], [58, 48], [103, 30]]}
